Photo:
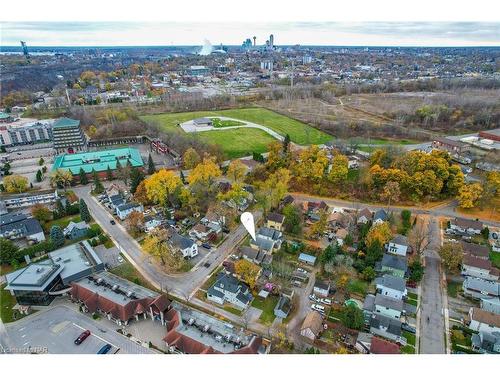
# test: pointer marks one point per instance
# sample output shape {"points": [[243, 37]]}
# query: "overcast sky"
{"points": [[285, 33]]}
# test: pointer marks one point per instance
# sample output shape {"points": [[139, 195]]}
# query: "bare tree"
{"points": [[419, 237]]}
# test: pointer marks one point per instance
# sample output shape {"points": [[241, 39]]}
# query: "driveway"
{"points": [[181, 285], [54, 330]]}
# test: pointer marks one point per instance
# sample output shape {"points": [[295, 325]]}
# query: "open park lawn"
{"points": [[299, 132], [267, 306]]}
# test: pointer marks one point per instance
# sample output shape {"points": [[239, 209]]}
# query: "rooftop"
{"points": [[33, 277], [65, 122], [98, 161], [75, 258]]}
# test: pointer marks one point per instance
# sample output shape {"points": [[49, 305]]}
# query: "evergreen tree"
{"points": [[39, 176], [57, 236], [109, 174], [60, 210], [136, 176], [183, 178], [151, 165], [286, 144], [98, 188], [83, 177], [84, 211]]}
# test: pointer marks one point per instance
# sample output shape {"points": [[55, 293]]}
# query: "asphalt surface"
{"points": [[181, 285], [54, 331]]}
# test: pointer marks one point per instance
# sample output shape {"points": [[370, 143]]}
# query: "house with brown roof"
{"points": [[478, 267], [312, 326], [118, 299], [475, 250], [466, 225], [364, 216], [483, 321], [275, 221], [380, 346]]}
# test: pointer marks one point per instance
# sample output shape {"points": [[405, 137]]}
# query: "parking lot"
{"points": [[56, 330]]}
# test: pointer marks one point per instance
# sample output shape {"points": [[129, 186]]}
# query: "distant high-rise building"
{"points": [[306, 59], [68, 136], [271, 40], [254, 41], [266, 65]]}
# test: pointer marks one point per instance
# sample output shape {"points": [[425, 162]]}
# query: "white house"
{"points": [[387, 306], [466, 226], [364, 216], [391, 286], [321, 288], [228, 288], [123, 210], [186, 246], [483, 321], [479, 288], [477, 267], [398, 245], [151, 222]]}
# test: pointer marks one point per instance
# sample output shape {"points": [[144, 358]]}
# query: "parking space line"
{"points": [[93, 334]]}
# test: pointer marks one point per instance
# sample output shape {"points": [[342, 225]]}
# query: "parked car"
{"points": [[318, 308], [120, 259], [83, 336], [408, 328], [206, 245], [112, 222], [296, 283], [301, 270], [467, 238], [313, 297], [326, 301], [106, 348]]}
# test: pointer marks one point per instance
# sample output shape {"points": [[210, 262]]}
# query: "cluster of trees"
{"points": [[15, 183], [480, 194], [156, 245]]}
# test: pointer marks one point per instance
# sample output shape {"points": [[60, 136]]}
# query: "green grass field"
{"points": [[267, 306], [299, 132]]}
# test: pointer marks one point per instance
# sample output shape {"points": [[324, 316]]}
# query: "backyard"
{"points": [[267, 306]]}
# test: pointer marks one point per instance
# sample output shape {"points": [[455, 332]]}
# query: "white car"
{"points": [[313, 297], [318, 308], [120, 259], [326, 301], [301, 270]]}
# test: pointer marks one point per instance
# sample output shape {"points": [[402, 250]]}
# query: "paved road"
{"points": [[181, 285], [56, 328], [432, 319]]}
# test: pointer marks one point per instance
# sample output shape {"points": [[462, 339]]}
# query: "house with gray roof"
{"points": [[394, 265], [283, 307], [477, 288], [126, 209], [76, 230], [256, 256], [185, 245], [486, 343], [398, 245], [267, 239], [387, 327], [228, 289], [391, 286], [380, 216], [15, 226], [388, 306]]}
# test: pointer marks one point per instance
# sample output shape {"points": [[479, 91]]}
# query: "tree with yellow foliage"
{"points": [[236, 193], [236, 170], [272, 190], [15, 183], [311, 164], [275, 158], [191, 158], [162, 186], [205, 173], [379, 232], [61, 177], [340, 169], [469, 195], [247, 271]]}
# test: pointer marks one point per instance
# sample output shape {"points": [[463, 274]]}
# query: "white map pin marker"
{"points": [[247, 221]]}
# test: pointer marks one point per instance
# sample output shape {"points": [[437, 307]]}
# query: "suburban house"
{"points": [[283, 307], [394, 265], [186, 246], [491, 304], [286, 201], [200, 231], [275, 221], [321, 288], [387, 327], [364, 216], [17, 225], [379, 346], [312, 326], [388, 306], [307, 259], [76, 230], [466, 226], [228, 288], [483, 321], [486, 343], [475, 250], [214, 221], [477, 267], [480, 288], [267, 239], [256, 256], [151, 222], [398, 245], [115, 200], [126, 209], [340, 235], [380, 216], [391, 286]]}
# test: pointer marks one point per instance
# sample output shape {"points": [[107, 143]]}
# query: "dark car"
{"points": [[408, 328], [206, 245], [206, 265], [106, 348], [82, 337], [112, 222]]}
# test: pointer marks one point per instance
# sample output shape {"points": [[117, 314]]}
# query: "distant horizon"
{"points": [[193, 34]]}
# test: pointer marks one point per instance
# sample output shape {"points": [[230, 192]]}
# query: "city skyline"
{"points": [[404, 34]]}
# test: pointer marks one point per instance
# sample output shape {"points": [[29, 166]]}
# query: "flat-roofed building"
{"points": [[39, 283], [98, 161], [13, 201], [68, 135]]}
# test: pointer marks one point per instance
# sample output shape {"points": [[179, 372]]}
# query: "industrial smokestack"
{"points": [[254, 41]]}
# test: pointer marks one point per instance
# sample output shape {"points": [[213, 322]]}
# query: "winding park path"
{"points": [[190, 127]]}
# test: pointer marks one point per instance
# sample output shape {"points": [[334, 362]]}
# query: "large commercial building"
{"points": [[98, 161], [39, 283], [14, 134], [68, 136]]}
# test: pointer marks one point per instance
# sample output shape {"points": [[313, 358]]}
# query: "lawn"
{"points": [[408, 349], [267, 306], [357, 287], [218, 123], [62, 222], [239, 142], [453, 288], [7, 302], [232, 310], [495, 258], [410, 338], [299, 132], [128, 271]]}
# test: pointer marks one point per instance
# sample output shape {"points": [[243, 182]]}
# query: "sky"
{"points": [[233, 33]]}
